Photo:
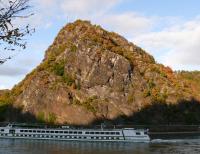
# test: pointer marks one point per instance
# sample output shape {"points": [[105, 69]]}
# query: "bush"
{"points": [[147, 93], [89, 103], [41, 117], [73, 48], [59, 69], [131, 98], [68, 80], [51, 118]]}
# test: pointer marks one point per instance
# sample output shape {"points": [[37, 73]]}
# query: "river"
{"points": [[189, 145]]}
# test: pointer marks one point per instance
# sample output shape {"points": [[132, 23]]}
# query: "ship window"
{"points": [[12, 131], [138, 133], [70, 132], [21, 130], [38, 131], [43, 131], [91, 132], [92, 137], [75, 132], [2, 130], [61, 132], [30, 131], [47, 131], [56, 131], [112, 133], [34, 131], [96, 132], [79, 132], [86, 132], [107, 132], [65, 132], [117, 133], [102, 132], [52, 131], [25, 130], [145, 133]]}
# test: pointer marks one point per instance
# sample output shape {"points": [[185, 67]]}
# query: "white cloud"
{"points": [[128, 24], [177, 46], [86, 8], [73, 9]]}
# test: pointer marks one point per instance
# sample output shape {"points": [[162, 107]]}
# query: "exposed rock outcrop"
{"points": [[90, 74]]}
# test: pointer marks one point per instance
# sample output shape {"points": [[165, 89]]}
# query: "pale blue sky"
{"points": [[184, 8], [167, 29]]}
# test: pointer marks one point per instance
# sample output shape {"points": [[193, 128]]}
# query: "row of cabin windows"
{"points": [[69, 132], [67, 137], [50, 131], [107, 133]]}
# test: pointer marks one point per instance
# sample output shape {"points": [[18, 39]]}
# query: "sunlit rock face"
{"points": [[89, 74]]}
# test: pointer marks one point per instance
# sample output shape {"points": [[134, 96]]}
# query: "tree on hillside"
{"points": [[11, 35]]}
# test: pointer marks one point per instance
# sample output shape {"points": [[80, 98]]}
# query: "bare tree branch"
{"points": [[10, 35]]}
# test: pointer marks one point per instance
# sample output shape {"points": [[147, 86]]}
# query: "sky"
{"points": [[169, 30]]}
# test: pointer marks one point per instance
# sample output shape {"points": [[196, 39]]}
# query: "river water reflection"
{"points": [[156, 146]]}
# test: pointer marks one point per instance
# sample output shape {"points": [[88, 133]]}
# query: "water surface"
{"points": [[156, 146]]}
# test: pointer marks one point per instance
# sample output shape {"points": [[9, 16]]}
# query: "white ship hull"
{"points": [[68, 134]]}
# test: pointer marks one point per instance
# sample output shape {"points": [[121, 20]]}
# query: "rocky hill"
{"points": [[89, 74]]}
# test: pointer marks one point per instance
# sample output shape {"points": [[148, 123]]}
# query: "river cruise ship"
{"points": [[67, 133]]}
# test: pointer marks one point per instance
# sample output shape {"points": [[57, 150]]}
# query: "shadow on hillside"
{"points": [[182, 113], [8, 113], [162, 115]]}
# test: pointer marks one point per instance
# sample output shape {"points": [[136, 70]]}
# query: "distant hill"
{"points": [[91, 75]]}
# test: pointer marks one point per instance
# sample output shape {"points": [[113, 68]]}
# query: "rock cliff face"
{"points": [[90, 74]]}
